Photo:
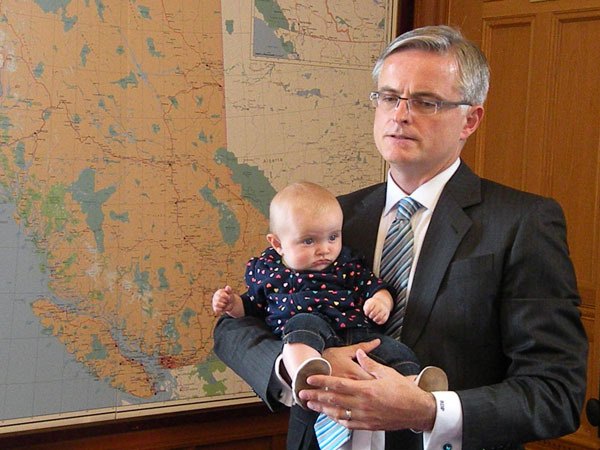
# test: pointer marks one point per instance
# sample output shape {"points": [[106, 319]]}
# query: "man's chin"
{"points": [[402, 153]]}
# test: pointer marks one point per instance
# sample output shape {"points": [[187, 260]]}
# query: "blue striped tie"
{"points": [[396, 261], [330, 434]]}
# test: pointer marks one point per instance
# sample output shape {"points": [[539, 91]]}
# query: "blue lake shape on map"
{"points": [[90, 200], [266, 43], [228, 223]]}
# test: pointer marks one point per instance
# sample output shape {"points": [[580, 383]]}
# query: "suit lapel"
{"points": [[448, 226], [362, 223]]}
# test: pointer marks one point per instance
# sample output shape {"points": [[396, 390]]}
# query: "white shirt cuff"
{"points": [[447, 429]]}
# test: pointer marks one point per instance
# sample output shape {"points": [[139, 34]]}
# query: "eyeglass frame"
{"points": [[375, 96]]}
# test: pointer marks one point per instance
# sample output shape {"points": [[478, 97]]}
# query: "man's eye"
{"points": [[423, 104], [391, 99]]}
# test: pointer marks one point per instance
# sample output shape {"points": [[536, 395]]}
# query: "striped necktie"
{"points": [[330, 434], [396, 261]]}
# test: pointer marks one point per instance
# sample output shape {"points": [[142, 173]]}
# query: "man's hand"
{"points": [[343, 360], [388, 401]]}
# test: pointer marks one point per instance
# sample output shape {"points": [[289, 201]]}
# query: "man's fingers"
{"points": [[338, 414], [367, 346], [329, 388], [333, 395], [335, 404], [369, 365], [349, 351], [343, 359]]}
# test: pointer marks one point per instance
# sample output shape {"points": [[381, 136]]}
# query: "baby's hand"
{"points": [[223, 300], [378, 307]]}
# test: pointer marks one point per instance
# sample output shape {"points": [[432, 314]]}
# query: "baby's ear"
{"points": [[275, 242]]}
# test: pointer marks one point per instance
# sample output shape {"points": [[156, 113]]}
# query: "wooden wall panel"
{"points": [[509, 46], [574, 135]]}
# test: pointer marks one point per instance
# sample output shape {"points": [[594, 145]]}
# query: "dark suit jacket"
{"points": [[493, 302]]}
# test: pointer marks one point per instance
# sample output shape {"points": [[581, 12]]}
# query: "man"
{"points": [[492, 299]]}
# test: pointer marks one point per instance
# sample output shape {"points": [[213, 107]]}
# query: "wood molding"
{"points": [[221, 428], [405, 17], [430, 12]]}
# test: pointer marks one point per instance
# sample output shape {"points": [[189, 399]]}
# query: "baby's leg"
{"points": [[305, 337], [295, 354]]}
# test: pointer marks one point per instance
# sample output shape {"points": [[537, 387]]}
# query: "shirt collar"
{"points": [[427, 194]]}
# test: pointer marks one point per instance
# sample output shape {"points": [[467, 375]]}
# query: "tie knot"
{"points": [[407, 207]]}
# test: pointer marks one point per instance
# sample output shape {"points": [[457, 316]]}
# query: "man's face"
{"points": [[418, 147]]}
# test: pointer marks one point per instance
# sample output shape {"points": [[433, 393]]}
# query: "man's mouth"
{"points": [[401, 136]]}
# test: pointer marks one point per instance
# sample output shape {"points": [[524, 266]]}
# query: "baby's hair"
{"points": [[302, 197]]}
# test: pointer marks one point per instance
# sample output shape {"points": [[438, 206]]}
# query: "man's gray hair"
{"points": [[473, 69]]}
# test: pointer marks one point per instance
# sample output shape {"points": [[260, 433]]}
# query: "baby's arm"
{"points": [[228, 302], [378, 307]]}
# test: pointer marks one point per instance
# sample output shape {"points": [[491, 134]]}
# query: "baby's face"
{"points": [[311, 242]]}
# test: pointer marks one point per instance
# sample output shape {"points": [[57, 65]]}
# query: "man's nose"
{"points": [[402, 110]]}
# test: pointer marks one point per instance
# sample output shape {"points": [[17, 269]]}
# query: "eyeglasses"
{"points": [[390, 102]]}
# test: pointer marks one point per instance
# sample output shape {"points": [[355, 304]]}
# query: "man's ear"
{"points": [[473, 120], [275, 242]]}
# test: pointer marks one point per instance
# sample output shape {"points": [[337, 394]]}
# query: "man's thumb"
{"points": [[369, 365]]}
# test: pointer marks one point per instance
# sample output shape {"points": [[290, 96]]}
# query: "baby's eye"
{"points": [[333, 237], [308, 241]]}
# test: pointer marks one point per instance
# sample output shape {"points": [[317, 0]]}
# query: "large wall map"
{"points": [[140, 144]]}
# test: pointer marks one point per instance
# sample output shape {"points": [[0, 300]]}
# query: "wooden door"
{"points": [[541, 131]]}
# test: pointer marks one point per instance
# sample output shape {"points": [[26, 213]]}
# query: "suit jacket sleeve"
{"points": [[250, 349], [247, 345], [541, 336]]}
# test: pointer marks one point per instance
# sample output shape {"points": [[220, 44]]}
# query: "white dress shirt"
{"points": [[447, 429]]}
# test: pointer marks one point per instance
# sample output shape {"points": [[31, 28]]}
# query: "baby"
{"points": [[315, 293]]}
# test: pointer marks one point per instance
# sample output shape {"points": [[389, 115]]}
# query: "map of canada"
{"points": [[140, 145]]}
